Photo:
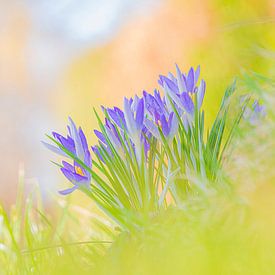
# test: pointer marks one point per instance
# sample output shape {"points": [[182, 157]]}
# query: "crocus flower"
{"points": [[182, 101], [258, 109], [113, 137], [154, 105], [191, 79], [96, 151], [117, 116], [76, 144], [254, 113], [168, 126], [181, 88], [171, 84], [134, 117], [187, 103], [131, 121]]}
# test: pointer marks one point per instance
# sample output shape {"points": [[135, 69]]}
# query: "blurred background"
{"points": [[62, 58]]}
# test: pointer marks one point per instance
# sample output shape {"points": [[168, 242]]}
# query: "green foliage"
{"points": [[131, 187]]}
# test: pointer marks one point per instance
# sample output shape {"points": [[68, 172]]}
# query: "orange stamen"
{"points": [[79, 171]]}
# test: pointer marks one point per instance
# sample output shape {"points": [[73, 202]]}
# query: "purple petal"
{"points": [[83, 140], [87, 155], [116, 117], [158, 98], [68, 166], [88, 159], [190, 80], [164, 125], [73, 177], [197, 74], [106, 148], [129, 118], [152, 104], [112, 129], [171, 76], [170, 84], [112, 114], [68, 191], [258, 109], [120, 114], [145, 136], [140, 114], [181, 81], [130, 101], [200, 93], [113, 136], [152, 128], [96, 151], [171, 115], [100, 136], [54, 149], [77, 140], [68, 143], [187, 103], [174, 96], [173, 121], [69, 130], [135, 103]]}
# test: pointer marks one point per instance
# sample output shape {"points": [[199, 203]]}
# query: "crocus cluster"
{"points": [[133, 127], [152, 114], [141, 120], [130, 131]]}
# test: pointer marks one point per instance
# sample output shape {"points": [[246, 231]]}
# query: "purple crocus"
{"points": [[113, 137], [181, 88], [76, 144], [141, 117], [255, 113], [168, 126], [130, 121], [154, 105], [191, 79], [171, 84], [117, 116], [183, 101], [258, 109], [134, 117], [187, 103], [96, 150]]}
